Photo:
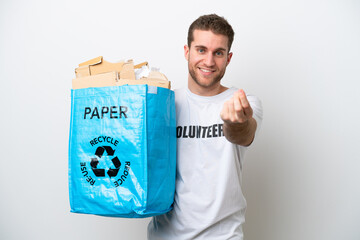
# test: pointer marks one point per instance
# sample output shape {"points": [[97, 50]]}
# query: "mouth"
{"points": [[206, 70]]}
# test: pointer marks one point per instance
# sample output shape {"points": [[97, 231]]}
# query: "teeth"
{"points": [[204, 70]]}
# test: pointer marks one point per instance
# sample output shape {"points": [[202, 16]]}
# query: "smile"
{"points": [[206, 70]]}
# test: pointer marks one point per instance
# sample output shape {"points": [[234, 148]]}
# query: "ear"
{"points": [[186, 52], [229, 58]]}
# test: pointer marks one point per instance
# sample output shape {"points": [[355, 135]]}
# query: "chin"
{"points": [[207, 82]]}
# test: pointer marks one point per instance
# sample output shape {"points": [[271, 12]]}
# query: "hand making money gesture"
{"points": [[237, 109], [239, 124]]}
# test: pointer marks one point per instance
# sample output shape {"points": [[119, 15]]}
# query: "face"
{"points": [[207, 59]]}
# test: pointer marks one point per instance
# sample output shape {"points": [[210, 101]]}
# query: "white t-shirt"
{"points": [[209, 203]]}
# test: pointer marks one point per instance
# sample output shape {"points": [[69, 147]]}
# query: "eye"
{"points": [[201, 50], [219, 53]]}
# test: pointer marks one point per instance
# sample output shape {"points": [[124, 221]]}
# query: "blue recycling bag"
{"points": [[122, 151]]}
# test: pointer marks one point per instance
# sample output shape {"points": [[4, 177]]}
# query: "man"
{"points": [[215, 124]]}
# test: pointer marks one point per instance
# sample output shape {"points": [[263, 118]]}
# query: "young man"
{"points": [[215, 124]]}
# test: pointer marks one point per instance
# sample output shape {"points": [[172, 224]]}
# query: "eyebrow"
{"points": [[218, 49]]}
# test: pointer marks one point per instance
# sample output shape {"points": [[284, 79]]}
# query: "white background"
{"points": [[302, 58]]}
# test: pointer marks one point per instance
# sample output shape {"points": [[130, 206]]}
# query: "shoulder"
{"points": [[257, 108], [180, 97], [255, 104], [179, 91], [254, 100]]}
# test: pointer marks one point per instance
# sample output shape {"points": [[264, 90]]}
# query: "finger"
{"points": [[225, 111], [237, 102], [239, 114], [245, 104], [231, 111]]}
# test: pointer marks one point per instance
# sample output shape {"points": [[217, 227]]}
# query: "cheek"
{"points": [[194, 58], [191, 61], [223, 63]]}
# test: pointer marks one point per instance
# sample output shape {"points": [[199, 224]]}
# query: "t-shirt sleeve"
{"points": [[256, 105]]}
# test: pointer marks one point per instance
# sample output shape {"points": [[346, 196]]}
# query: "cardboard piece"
{"points": [[100, 80], [150, 82], [112, 79], [97, 72], [98, 65]]}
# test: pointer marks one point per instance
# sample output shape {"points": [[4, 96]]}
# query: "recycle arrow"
{"points": [[112, 172], [100, 151], [97, 171]]}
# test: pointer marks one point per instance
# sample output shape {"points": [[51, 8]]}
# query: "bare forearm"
{"points": [[240, 133]]}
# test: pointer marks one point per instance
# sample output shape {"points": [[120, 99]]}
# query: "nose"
{"points": [[209, 59]]}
